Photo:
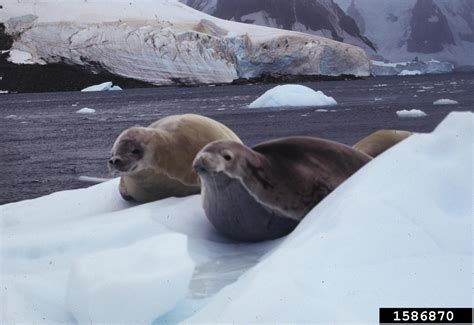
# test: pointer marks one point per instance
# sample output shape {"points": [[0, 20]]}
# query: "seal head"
{"points": [[129, 152]]}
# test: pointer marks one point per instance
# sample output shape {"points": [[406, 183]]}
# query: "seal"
{"points": [[261, 193], [155, 162], [381, 140]]}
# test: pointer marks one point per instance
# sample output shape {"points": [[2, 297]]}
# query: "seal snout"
{"points": [[115, 162], [205, 162], [117, 165]]}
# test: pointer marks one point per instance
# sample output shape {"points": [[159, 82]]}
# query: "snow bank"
{"points": [[411, 113], [86, 110], [44, 239], [397, 233], [135, 284], [292, 95], [106, 86], [410, 73], [445, 102]]}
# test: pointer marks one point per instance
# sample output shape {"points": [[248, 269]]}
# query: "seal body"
{"points": [[283, 180], [381, 140], [236, 214], [155, 162]]}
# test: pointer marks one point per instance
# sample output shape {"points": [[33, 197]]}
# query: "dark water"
{"points": [[46, 145]]}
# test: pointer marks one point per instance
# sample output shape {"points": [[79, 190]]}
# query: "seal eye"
{"points": [[227, 157], [136, 151]]}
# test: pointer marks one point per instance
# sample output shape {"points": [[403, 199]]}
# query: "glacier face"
{"points": [[165, 42], [427, 29]]}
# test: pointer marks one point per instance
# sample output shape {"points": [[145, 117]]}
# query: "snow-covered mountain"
{"points": [[323, 17], [427, 29], [166, 42]]}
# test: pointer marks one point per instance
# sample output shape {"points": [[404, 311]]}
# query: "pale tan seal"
{"points": [[381, 140], [261, 193], [155, 162]]}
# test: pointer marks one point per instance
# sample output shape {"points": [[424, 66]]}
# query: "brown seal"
{"points": [[155, 162], [381, 140], [262, 192]]}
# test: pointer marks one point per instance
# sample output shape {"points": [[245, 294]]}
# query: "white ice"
{"points": [[20, 57], [106, 86], [134, 284], [410, 73], [86, 110], [90, 179], [397, 233], [445, 101], [292, 95], [411, 113]]}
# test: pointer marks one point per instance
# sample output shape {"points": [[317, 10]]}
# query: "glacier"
{"points": [[380, 68], [165, 42], [397, 233]]}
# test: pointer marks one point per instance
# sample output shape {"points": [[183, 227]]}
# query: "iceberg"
{"points": [[445, 101], [411, 113], [106, 86], [293, 96]]}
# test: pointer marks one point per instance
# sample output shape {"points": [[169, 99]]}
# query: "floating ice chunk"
{"points": [[411, 113], [135, 284], [410, 73], [20, 57], [445, 101], [292, 95], [86, 110], [106, 86], [95, 180], [3, 91]]}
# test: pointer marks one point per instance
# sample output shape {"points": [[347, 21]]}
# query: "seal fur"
{"points": [[380, 141], [287, 177], [155, 162]]}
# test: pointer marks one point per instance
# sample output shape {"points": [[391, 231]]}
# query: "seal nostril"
{"points": [[115, 161]]}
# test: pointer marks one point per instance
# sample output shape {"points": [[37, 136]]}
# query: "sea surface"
{"points": [[45, 146]]}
